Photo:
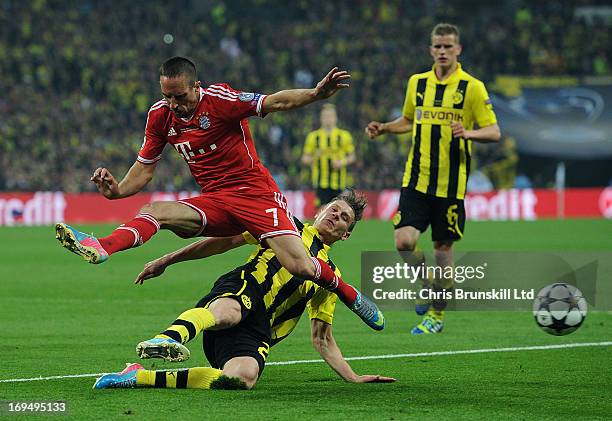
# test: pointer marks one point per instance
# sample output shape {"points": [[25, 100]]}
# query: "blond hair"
{"points": [[442, 29]]}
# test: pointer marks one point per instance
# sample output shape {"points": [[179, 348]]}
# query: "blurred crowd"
{"points": [[79, 76]]}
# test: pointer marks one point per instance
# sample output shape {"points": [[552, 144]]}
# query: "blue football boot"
{"points": [[368, 312], [125, 379], [86, 246], [433, 322]]}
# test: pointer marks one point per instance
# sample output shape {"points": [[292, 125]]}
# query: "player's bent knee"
{"points": [[177, 217], [244, 369], [249, 380], [148, 208], [406, 238], [156, 210], [405, 243], [230, 383]]}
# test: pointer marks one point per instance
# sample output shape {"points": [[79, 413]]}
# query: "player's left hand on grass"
{"points": [[332, 82], [373, 378], [151, 270]]}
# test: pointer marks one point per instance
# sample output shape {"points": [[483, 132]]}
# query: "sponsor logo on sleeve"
{"points": [[246, 96], [255, 99]]}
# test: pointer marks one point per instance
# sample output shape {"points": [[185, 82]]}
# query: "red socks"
{"points": [[131, 234], [326, 278]]}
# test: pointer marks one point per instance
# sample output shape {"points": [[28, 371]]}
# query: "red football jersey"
{"points": [[215, 141]]}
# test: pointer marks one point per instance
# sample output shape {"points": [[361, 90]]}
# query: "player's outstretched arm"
{"points": [[293, 98], [198, 250], [136, 178], [397, 126], [325, 344]]}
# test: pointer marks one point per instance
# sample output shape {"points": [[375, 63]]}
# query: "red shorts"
{"points": [[263, 213]]}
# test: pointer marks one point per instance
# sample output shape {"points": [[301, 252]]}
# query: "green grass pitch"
{"points": [[61, 316]]}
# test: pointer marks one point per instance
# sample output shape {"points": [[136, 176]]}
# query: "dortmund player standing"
{"points": [[329, 151], [445, 109]]}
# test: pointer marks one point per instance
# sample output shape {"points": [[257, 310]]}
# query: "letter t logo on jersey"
{"points": [[184, 149]]}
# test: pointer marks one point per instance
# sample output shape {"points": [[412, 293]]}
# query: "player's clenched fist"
{"points": [[374, 128], [105, 182], [458, 130]]}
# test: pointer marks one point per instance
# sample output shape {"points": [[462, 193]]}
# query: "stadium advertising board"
{"points": [[47, 208]]}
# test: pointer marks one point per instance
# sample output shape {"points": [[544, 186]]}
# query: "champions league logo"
{"points": [[246, 96], [204, 122], [564, 122], [576, 104]]}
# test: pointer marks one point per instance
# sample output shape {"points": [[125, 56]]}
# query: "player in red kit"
{"points": [[208, 127]]}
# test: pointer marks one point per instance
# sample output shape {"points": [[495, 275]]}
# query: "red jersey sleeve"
{"points": [[236, 105], [154, 140]]}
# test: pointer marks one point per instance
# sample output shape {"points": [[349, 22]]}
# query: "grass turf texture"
{"points": [[62, 316]]}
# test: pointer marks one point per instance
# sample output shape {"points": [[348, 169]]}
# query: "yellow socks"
{"points": [[192, 378], [189, 324]]}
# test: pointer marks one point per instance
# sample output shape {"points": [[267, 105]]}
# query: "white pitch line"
{"points": [[465, 351], [69, 376], [368, 357]]}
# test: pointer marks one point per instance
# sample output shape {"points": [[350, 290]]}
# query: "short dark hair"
{"points": [[357, 201], [179, 66], [442, 29]]}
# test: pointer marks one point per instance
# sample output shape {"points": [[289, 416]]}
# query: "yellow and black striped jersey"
{"points": [[325, 147], [439, 164], [285, 296]]}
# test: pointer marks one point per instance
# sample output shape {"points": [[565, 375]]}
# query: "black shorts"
{"points": [[324, 196], [445, 215], [250, 337]]}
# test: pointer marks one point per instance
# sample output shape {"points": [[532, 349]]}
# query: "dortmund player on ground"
{"points": [[248, 310], [445, 109]]}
